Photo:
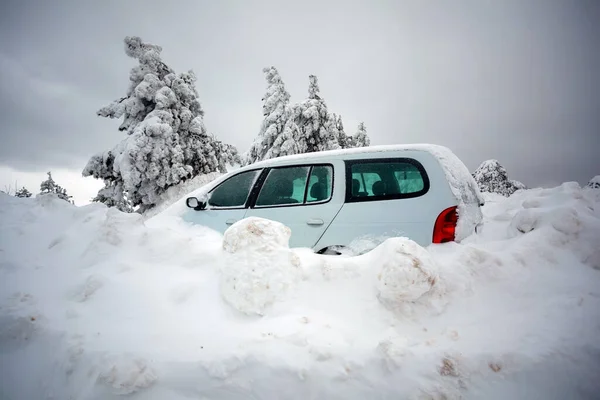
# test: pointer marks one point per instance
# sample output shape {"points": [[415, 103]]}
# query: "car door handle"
{"points": [[314, 221], [230, 221]]}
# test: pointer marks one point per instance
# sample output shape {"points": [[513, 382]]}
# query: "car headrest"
{"points": [[318, 191], [378, 188], [355, 186]]}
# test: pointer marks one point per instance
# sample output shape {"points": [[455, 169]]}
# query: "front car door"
{"points": [[227, 202], [299, 197]]}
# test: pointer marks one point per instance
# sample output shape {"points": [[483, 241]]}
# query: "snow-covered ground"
{"points": [[97, 304]]}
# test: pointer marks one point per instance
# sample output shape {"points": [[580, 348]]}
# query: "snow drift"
{"points": [[97, 304]]}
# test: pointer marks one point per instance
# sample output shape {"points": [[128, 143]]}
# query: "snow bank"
{"points": [[95, 304]]}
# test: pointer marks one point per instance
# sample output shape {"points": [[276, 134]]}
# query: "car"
{"points": [[330, 199]]}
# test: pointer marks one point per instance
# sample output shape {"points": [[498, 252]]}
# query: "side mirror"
{"points": [[194, 203]]}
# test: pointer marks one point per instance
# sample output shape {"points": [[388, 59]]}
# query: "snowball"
{"points": [[256, 234], [259, 268], [406, 274], [126, 375], [566, 220], [524, 221]]}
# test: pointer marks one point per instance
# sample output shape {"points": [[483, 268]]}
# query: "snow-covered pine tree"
{"points": [[316, 126], [275, 112], [166, 139], [360, 138], [594, 183], [287, 143], [23, 192], [343, 140], [49, 186], [492, 177]]}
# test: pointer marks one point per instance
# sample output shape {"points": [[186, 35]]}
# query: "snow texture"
{"points": [[492, 177], [167, 142], [99, 304]]}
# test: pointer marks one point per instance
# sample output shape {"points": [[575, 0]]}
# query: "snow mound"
{"points": [[259, 267], [407, 273], [95, 304]]}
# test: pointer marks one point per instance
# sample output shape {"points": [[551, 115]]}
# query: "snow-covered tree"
{"points": [[49, 186], [360, 138], [344, 141], [594, 183], [229, 155], [316, 126], [23, 192], [166, 140], [275, 112], [492, 177]]}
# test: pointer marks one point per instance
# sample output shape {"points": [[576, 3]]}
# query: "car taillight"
{"points": [[445, 226]]}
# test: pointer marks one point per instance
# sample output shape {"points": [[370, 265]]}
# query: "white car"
{"points": [[330, 199]]}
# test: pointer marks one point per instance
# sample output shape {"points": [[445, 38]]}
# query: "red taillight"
{"points": [[445, 226]]}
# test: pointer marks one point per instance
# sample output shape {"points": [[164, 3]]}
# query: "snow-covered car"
{"points": [[330, 199]]}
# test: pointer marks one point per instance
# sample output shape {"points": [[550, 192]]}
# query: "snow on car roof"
{"points": [[430, 148]]}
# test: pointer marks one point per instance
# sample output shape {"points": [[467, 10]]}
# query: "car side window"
{"points": [[234, 191], [384, 179], [283, 186], [320, 184]]}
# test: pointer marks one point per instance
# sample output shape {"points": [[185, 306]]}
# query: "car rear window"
{"points": [[385, 179]]}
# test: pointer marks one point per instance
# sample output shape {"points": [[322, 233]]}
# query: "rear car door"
{"points": [[299, 197], [387, 197], [227, 202]]}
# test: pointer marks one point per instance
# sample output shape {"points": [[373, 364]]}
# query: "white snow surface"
{"points": [[98, 304]]}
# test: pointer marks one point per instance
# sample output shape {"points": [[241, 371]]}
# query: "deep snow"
{"points": [[96, 304]]}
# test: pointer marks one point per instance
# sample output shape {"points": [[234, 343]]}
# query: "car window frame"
{"points": [[265, 174], [349, 198], [252, 188]]}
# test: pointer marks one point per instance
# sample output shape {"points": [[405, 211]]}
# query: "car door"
{"points": [[299, 197], [227, 202], [387, 198]]}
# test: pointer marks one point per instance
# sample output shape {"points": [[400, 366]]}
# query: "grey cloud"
{"points": [[512, 80]]}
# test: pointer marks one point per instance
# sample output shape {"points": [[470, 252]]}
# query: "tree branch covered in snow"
{"points": [[166, 141]]}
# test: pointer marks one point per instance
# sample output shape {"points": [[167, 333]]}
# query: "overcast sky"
{"points": [[517, 81]]}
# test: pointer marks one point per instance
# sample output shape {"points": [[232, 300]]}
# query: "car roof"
{"points": [[340, 154]]}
